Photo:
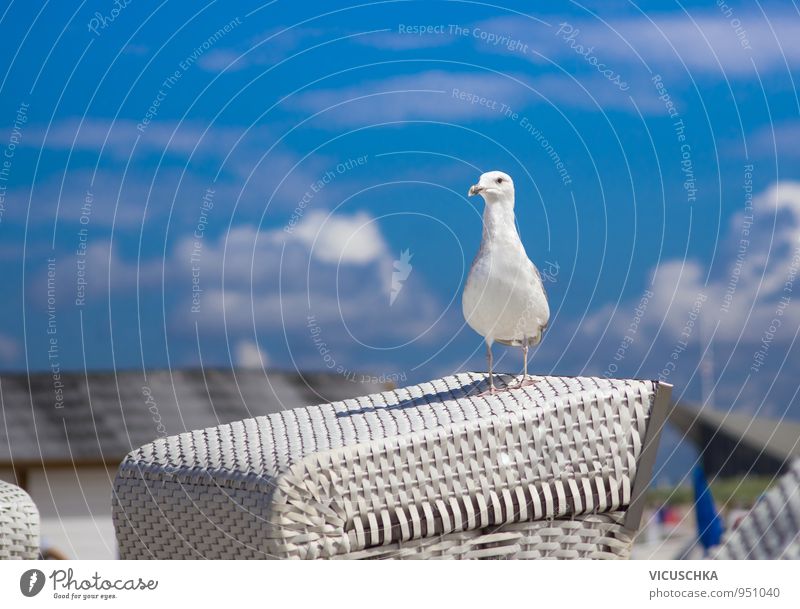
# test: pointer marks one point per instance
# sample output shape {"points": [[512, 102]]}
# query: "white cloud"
{"points": [[337, 238], [104, 197], [249, 355], [336, 267], [117, 137], [267, 49], [742, 295], [435, 96], [428, 95], [757, 281], [120, 188], [253, 255], [136, 49], [102, 274], [707, 41], [226, 60], [730, 311]]}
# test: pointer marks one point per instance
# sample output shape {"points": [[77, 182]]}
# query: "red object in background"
{"points": [[668, 515]]}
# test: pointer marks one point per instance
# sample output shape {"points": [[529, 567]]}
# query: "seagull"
{"points": [[504, 298]]}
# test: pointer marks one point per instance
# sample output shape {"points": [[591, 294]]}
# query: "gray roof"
{"points": [[777, 438], [105, 414]]}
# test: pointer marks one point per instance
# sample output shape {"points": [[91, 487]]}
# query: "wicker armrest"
{"points": [[19, 524], [771, 530], [553, 469]]}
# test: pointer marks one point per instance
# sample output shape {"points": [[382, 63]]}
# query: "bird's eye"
{"points": [[499, 180]]}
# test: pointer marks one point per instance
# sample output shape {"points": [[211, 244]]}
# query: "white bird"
{"points": [[504, 298]]}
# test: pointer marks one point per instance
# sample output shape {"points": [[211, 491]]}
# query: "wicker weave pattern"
{"points": [[425, 469], [772, 528], [19, 524], [595, 536]]}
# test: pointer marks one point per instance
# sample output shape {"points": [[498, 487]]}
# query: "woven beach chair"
{"points": [[771, 530], [19, 524], [556, 469]]}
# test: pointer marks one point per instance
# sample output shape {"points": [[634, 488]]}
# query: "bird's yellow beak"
{"points": [[474, 190]]}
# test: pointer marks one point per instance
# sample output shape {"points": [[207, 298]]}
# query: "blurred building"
{"points": [[737, 443], [62, 442]]}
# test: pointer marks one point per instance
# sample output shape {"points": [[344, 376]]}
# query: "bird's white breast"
{"points": [[504, 298]]}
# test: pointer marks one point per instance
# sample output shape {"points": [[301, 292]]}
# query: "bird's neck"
{"points": [[498, 222]]}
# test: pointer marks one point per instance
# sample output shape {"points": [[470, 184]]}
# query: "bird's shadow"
{"points": [[471, 390]]}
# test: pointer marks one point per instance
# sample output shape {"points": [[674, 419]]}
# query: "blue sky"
{"points": [[313, 147]]}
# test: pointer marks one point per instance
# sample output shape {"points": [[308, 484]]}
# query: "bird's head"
{"points": [[494, 186]]}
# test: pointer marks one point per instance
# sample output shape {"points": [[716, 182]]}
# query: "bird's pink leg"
{"points": [[524, 382]]}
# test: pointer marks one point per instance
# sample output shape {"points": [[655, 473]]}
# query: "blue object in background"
{"points": [[709, 524]]}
